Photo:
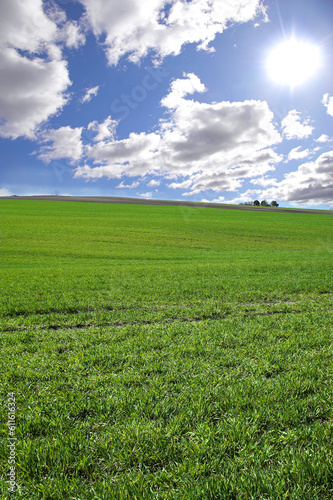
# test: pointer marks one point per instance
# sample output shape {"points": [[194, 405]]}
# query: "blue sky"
{"points": [[224, 101]]}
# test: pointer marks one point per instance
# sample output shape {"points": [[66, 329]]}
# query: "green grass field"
{"points": [[166, 352]]}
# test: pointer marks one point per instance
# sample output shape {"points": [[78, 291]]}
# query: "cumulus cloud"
{"points": [[180, 185], [133, 156], [65, 143], [201, 145], [105, 130], [312, 182], [72, 34], [230, 176], [293, 128], [153, 183], [248, 195], [31, 90], [24, 25], [180, 88], [33, 85], [90, 93], [324, 138], [229, 131], [264, 181], [328, 103], [5, 192], [296, 154], [147, 196], [128, 186], [133, 28], [108, 171], [220, 199]]}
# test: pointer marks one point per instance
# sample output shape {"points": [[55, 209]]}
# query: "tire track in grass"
{"points": [[121, 324]]}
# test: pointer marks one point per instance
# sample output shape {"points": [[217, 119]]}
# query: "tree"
{"points": [[256, 203], [264, 203], [274, 204]]}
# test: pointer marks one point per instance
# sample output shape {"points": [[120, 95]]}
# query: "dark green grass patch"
{"points": [[166, 352]]}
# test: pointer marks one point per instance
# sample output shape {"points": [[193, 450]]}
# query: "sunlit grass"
{"points": [[167, 352]]}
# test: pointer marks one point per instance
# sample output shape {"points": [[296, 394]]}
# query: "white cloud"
{"points": [[312, 182], [147, 196], [66, 143], [72, 35], [180, 185], [180, 88], [90, 93], [328, 103], [220, 199], [128, 186], [154, 183], [249, 194], [24, 25], [133, 28], [229, 176], [108, 171], [31, 90], [296, 154], [264, 181], [222, 130], [133, 156], [293, 128], [105, 130], [32, 86], [209, 146], [324, 138], [5, 192]]}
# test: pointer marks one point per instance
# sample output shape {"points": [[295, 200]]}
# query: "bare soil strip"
{"points": [[171, 203]]}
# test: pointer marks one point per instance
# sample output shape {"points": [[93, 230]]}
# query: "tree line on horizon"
{"points": [[263, 203]]}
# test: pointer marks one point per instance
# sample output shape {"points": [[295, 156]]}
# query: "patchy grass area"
{"points": [[166, 353]]}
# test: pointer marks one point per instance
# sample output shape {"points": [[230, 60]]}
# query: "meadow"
{"points": [[166, 353]]}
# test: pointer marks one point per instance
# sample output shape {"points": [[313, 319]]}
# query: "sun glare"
{"points": [[293, 62]]}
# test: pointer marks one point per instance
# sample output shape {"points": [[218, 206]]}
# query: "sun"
{"points": [[293, 62]]}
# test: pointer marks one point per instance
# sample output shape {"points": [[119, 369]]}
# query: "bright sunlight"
{"points": [[293, 62]]}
